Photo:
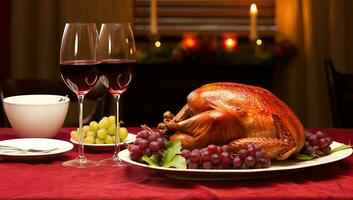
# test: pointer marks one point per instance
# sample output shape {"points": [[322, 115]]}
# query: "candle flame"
{"points": [[157, 44], [253, 8], [259, 42]]}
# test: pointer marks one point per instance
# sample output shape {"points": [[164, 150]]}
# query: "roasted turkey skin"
{"points": [[236, 114]]}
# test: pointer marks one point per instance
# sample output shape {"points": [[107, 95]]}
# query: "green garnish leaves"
{"points": [[152, 160], [342, 147], [170, 158], [178, 161], [301, 156], [173, 148]]}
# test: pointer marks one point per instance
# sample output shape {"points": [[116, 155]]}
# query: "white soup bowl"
{"points": [[38, 115]]}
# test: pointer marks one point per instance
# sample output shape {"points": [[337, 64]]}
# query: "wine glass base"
{"points": [[115, 162], [80, 163]]}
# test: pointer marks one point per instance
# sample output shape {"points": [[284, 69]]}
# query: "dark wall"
{"points": [[157, 88], [4, 37]]}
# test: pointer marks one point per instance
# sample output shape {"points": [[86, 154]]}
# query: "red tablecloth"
{"points": [[50, 180]]}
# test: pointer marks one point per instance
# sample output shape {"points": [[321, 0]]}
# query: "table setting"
{"points": [[48, 179], [229, 141]]}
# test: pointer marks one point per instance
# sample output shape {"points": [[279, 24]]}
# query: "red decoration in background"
{"points": [[189, 41], [229, 42]]}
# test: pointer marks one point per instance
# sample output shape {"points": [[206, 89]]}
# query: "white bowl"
{"points": [[36, 115]]}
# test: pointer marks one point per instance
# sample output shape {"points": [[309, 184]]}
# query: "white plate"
{"points": [[277, 167], [35, 143], [102, 147]]}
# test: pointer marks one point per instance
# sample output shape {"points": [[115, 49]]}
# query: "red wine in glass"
{"points": [[80, 76], [116, 74]]}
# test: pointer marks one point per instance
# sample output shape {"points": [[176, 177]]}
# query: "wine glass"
{"points": [[78, 65], [117, 51]]}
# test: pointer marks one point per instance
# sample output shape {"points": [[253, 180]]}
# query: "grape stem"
{"points": [[145, 127]]}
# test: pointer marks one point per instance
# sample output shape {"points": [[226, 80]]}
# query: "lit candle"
{"points": [[253, 22], [153, 18]]}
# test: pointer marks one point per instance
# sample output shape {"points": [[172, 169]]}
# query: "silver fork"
{"points": [[12, 148]]}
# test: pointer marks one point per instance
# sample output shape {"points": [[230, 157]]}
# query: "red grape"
{"points": [[320, 134], [237, 162], [215, 158], [147, 152], [316, 143], [220, 157], [185, 153], [195, 156], [243, 153], [154, 146], [251, 151], [152, 137], [205, 156], [160, 142], [135, 150], [250, 161], [323, 142], [212, 148], [258, 155], [145, 134], [148, 142], [265, 163], [314, 140], [193, 165], [143, 143], [326, 150], [207, 165]]}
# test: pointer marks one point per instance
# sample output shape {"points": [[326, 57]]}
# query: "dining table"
{"points": [[49, 179]]}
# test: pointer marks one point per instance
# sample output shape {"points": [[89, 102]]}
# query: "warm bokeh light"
{"points": [[259, 42], [253, 8], [229, 42], [157, 44], [189, 41]]}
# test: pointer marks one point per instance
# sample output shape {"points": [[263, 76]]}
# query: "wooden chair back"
{"points": [[340, 87]]}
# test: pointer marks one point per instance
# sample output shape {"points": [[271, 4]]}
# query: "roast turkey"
{"points": [[235, 114]]}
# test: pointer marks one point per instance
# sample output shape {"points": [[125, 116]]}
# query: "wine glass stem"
{"points": [[117, 123], [81, 153]]}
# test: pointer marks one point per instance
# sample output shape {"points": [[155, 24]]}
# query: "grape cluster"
{"points": [[220, 157], [251, 156], [316, 143], [101, 132], [147, 143]]}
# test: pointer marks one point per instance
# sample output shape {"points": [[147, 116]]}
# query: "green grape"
{"points": [[109, 140], [93, 125], [91, 133], [111, 129], [111, 119], [123, 133], [88, 140], [74, 135], [104, 123], [83, 133], [99, 141], [85, 129], [102, 133]]}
